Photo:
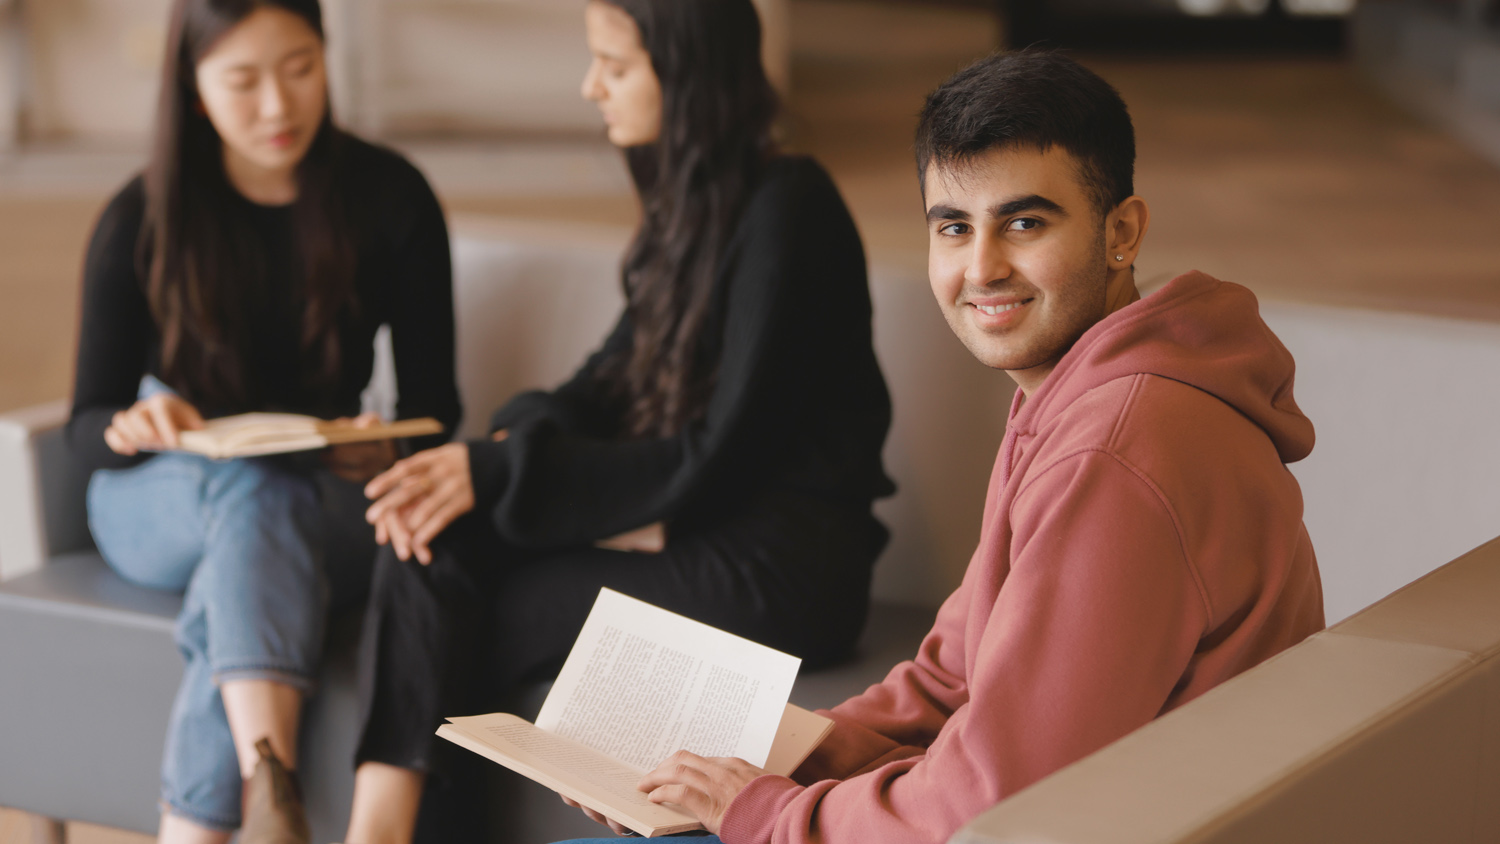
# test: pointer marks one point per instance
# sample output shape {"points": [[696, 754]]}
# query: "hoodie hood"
{"points": [[1199, 331]]}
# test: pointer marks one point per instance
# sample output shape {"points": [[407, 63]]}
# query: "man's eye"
{"points": [[1024, 224], [954, 229]]}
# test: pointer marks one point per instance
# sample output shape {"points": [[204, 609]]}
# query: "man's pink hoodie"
{"points": [[1142, 543]]}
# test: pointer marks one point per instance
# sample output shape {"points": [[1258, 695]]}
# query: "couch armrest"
{"points": [[40, 492]]}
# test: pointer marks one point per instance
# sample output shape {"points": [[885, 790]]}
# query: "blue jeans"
{"points": [[244, 540]]}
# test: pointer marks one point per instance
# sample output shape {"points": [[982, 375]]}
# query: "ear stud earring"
{"points": [[1119, 257]]}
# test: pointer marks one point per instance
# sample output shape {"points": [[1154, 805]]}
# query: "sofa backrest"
{"points": [[1384, 729], [1402, 478]]}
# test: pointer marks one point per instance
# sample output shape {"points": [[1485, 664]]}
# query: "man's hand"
{"points": [[420, 496], [151, 424], [594, 816], [704, 787], [359, 462]]}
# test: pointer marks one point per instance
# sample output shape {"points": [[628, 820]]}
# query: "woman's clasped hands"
{"points": [[418, 497]]}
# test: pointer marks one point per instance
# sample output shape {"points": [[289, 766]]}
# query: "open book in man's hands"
{"points": [[256, 434], [640, 684]]}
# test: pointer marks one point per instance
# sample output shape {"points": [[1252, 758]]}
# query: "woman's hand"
{"points": [[151, 424], [594, 816], [359, 462], [651, 539], [703, 786], [420, 496]]}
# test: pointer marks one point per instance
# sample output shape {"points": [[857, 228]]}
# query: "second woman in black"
{"points": [[728, 431]]}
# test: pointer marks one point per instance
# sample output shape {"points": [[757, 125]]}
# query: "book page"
{"points": [[642, 683], [585, 775], [799, 734], [255, 434], [604, 784]]}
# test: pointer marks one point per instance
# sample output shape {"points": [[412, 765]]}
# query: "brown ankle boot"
{"points": [[273, 803]]}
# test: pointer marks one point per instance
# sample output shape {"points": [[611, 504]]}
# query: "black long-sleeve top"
{"points": [[403, 278], [799, 402]]}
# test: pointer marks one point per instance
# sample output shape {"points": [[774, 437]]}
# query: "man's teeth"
{"points": [[992, 310]]}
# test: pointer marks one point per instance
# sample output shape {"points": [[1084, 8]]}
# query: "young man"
{"points": [[1142, 538]]}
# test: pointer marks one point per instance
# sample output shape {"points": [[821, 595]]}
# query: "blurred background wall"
{"points": [[84, 71]]}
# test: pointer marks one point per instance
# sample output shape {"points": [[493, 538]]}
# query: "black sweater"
{"points": [[799, 403], [403, 278]]}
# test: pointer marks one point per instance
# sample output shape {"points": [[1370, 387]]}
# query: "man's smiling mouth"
{"points": [[994, 310]]}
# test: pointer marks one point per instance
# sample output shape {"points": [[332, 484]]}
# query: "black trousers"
{"points": [[456, 637]]}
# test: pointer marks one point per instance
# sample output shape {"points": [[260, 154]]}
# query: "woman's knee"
{"points": [[148, 521], [259, 502]]}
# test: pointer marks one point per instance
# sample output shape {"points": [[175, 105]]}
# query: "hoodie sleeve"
{"points": [[901, 716], [1085, 638]]}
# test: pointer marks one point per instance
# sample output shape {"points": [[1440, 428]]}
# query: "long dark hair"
{"points": [[717, 111], [197, 252]]}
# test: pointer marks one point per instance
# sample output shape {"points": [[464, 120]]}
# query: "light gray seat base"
{"points": [[88, 712]]}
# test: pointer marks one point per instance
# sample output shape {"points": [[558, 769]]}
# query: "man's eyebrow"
{"points": [[945, 212], [1032, 202]]}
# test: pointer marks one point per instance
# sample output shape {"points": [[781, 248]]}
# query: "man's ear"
{"points": [[1125, 230]]}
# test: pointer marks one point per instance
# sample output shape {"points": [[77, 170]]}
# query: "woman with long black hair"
{"points": [[718, 456], [248, 269]]}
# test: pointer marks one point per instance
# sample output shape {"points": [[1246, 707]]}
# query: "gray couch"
{"points": [[90, 670]]}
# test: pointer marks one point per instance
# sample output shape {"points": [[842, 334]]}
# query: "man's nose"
{"points": [[990, 261]]}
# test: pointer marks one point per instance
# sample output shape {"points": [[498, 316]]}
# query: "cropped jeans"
{"points": [[244, 540]]}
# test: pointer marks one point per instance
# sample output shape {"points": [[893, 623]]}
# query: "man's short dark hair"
{"points": [[1032, 99]]}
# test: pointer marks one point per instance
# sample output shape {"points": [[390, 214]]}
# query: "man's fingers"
{"points": [[592, 815], [671, 769], [694, 801]]}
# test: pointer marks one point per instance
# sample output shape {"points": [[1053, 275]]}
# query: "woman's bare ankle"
{"points": [[385, 804]]}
